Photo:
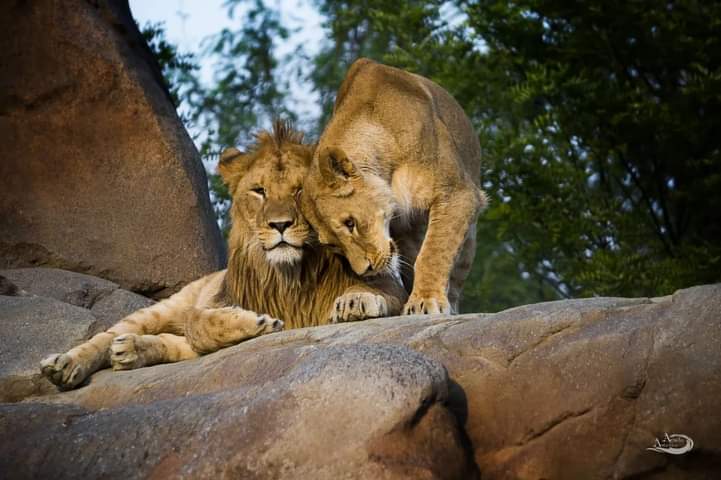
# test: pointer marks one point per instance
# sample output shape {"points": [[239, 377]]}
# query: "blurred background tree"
{"points": [[600, 124]]}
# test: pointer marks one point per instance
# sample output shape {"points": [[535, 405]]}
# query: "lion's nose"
{"points": [[280, 226], [369, 270]]}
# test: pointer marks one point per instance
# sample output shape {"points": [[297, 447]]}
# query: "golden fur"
{"points": [[396, 176], [274, 271]]}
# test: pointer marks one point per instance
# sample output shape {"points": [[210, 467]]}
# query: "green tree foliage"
{"points": [[373, 28], [605, 139], [175, 66]]}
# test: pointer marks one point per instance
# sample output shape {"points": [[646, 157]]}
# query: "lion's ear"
{"points": [[336, 169], [231, 167]]}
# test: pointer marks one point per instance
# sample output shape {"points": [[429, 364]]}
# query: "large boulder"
{"points": [[30, 329], [570, 389], [107, 302], [68, 287], [351, 411], [50, 311], [97, 173]]}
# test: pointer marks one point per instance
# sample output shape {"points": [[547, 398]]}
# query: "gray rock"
{"points": [[353, 411], [570, 389], [30, 329], [114, 307], [98, 174], [9, 288], [68, 287], [43, 317]]}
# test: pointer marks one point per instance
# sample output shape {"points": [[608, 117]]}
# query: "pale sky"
{"points": [[189, 22]]}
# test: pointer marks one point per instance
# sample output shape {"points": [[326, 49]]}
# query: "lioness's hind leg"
{"points": [[130, 351], [211, 329], [461, 269]]}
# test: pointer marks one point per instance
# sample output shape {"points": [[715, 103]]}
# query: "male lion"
{"points": [[273, 272], [399, 158]]}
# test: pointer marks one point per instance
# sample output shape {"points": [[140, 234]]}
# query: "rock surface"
{"points": [[375, 411], [57, 311], [97, 175], [30, 329], [570, 389], [68, 287]]}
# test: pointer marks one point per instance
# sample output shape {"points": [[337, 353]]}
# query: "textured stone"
{"points": [[112, 308], [47, 310], [30, 329], [9, 288], [68, 287], [352, 411], [98, 174], [569, 389]]}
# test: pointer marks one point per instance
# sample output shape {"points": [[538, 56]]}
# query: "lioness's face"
{"points": [[351, 212], [264, 186]]}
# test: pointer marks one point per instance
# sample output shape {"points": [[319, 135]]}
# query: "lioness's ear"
{"points": [[335, 167], [230, 167]]}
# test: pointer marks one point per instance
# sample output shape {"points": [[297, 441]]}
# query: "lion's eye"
{"points": [[350, 224], [259, 190]]}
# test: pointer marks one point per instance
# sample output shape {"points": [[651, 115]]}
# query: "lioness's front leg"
{"points": [[211, 329], [449, 220], [358, 305], [379, 297]]}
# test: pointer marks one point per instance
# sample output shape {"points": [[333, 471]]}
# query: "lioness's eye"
{"points": [[259, 190], [350, 223]]}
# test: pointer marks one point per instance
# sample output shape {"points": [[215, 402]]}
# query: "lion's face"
{"points": [[351, 212], [264, 185]]}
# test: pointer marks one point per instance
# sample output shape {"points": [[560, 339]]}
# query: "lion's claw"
{"points": [[417, 305], [126, 352], [63, 370], [268, 324], [358, 306]]}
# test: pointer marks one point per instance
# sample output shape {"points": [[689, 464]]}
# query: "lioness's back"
{"points": [[401, 100]]}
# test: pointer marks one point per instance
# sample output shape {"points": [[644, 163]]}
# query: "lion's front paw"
{"points": [[424, 305], [65, 371], [126, 352], [358, 306], [268, 324]]}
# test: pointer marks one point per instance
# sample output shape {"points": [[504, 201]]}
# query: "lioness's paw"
{"points": [[268, 324], [358, 306], [126, 352], [64, 370], [417, 305]]}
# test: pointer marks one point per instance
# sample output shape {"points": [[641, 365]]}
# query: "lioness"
{"points": [[274, 271], [399, 159]]}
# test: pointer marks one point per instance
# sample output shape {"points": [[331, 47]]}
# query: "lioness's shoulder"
{"points": [[366, 79], [360, 65]]}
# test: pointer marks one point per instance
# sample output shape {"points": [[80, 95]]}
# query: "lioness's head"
{"points": [[351, 211], [264, 183]]}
